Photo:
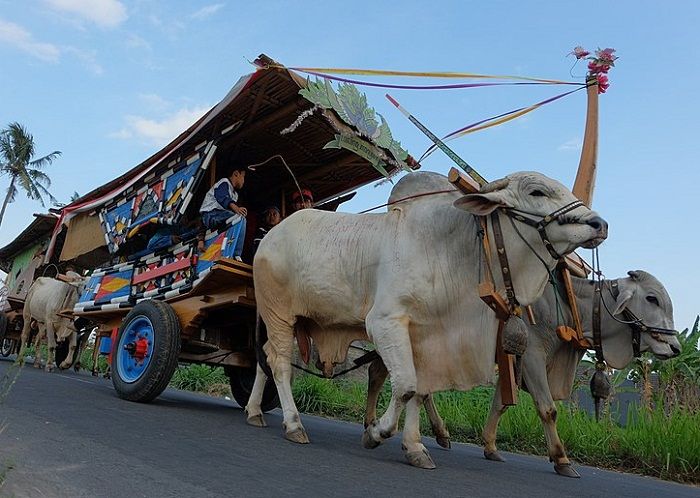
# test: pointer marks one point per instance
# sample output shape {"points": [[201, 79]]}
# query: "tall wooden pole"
{"points": [[585, 176]]}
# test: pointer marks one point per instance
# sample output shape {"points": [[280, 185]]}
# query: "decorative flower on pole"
{"points": [[598, 66]]}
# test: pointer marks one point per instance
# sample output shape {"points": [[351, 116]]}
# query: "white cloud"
{"points": [[103, 13], [207, 11], [87, 57], [573, 144], [159, 131], [18, 37]]}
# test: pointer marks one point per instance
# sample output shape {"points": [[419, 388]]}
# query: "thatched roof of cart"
{"points": [[258, 107], [39, 229]]}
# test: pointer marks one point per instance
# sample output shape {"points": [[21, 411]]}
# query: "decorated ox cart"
{"points": [[183, 303]]}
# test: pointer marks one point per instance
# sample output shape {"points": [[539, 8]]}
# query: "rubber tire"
{"points": [[241, 380], [166, 350], [10, 347], [4, 323]]}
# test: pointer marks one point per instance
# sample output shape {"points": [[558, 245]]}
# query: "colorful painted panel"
{"points": [[218, 246], [163, 199], [177, 186], [147, 203], [114, 287], [90, 289], [116, 223], [162, 274]]}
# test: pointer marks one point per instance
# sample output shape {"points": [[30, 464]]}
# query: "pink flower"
{"points": [[597, 67], [603, 83], [580, 52], [606, 56]]}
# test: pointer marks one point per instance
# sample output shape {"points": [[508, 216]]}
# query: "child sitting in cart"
{"points": [[271, 218], [219, 205]]}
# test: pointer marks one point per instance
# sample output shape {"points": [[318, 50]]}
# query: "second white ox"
{"points": [[409, 278], [46, 298]]}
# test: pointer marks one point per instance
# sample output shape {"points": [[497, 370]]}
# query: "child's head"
{"points": [[272, 216], [302, 199], [237, 177]]}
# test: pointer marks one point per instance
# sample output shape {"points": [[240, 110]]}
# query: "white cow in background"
{"points": [[408, 277], [46, 298]]}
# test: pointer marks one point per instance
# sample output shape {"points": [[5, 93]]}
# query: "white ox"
{"points": [[549, 364], [409, 278], [47, 297]]}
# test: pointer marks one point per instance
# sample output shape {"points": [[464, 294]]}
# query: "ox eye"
{"points": [[537, 193], [653, 300]]}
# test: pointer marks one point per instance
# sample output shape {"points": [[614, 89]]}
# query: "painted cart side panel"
{"points": [[157, 276], [162, 200]]}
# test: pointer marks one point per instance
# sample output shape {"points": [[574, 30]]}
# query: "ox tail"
{"points": [[260, 340]]}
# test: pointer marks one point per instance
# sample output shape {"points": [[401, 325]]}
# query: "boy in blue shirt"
{"points": [[220, 204]]}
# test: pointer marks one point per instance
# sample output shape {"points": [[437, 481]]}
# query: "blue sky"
{"points": [[109, 82]]}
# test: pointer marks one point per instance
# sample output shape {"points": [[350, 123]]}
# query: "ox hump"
{"points": [[420, 182]]}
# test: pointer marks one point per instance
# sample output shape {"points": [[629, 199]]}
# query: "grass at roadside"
{"points": [[651, 443]]}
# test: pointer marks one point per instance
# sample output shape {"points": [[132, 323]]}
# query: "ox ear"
{"points": [[482, 204], [623, 299]]}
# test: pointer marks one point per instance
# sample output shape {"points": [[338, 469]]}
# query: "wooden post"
{"points": [[463, 182], [212, 172], [585, 176], [506, 372]]}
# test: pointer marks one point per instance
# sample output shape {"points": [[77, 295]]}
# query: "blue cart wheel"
{"points": [[146, 351], [135, 349]]}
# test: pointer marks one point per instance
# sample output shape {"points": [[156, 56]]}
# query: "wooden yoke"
{"points": [[585, 176]]}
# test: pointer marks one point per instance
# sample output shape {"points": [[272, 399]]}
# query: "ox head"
{"points": [[533, 197], [643, 295]]}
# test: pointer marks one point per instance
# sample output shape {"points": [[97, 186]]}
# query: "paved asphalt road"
{"points": [[68, 435]]}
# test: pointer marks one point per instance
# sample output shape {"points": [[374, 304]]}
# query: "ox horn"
{"points": [[585, 176], [494, 185]]}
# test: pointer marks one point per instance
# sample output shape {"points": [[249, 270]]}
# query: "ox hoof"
{"points": [[256, 421], [50, 368], [494, 456], [297, 436], [36, 365], [63, 366], [443, 441], [420, 459], [368, 441], [566, 470]]}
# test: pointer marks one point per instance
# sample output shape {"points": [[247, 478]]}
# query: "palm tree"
{"points": [[17, 161]]}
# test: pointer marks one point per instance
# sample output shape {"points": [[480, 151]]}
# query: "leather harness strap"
{"points": [[541, 226], [595, 325], [503, 260]]}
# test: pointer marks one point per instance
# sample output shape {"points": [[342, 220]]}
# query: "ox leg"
{"points": [[536, 381], [442, 435], [416, 453], [376, 376], [24, 339], [253, 409], [40, 335], [51, 347], [390, 334], [71, 351], [491, 427], [279, 349]]}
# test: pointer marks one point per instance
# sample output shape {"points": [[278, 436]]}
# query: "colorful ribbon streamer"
{"points": [[422, 74], [429, 87], [496, 120]]}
